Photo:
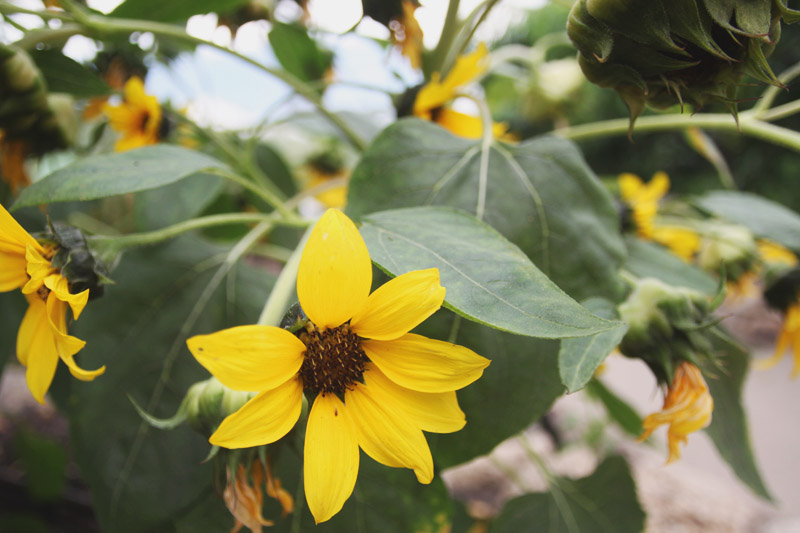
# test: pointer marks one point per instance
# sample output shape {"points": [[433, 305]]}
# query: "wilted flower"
{"points": [[372, 384], [12, 162], [244, 497]]}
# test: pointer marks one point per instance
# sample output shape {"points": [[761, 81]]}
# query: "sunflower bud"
{"points": [[19, 73], [659, 53], [667, 325], [730, 247], [208, 402]]}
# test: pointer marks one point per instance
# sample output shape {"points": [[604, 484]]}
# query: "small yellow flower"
{"points": [[371, 384], [789, 338], [687, 408], [432, 97], [12, 163], [42, 338], [137, 118]]}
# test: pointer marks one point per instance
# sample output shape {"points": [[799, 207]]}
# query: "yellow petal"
{"points": [[330, 457], [335, 273], [630, 186], [12, 271], [134, 91], [59, 285], [399, 305], [658, 186], [13, 238], [66, 345], [439, 91], [249, 358], [36, 348], [386, 435], [425, 365], [436, 412], [262, 420]]}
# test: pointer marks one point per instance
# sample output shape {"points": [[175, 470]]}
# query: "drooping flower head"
{"points": [[370, 383], [244, 496], [138, 118], [687, 408], [42, 339]]}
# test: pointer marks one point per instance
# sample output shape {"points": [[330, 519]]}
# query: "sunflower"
{"points": [[687, 408], [371, 384], [42, 339], [138, 118]]}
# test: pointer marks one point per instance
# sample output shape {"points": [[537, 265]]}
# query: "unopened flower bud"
{"points": [[728, 246]]}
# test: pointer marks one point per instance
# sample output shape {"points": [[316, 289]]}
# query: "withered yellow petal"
{"points": [[36, 348], [436, 412], [66, 345], [249, 358], [264, 419], [399, 305], [330, 457], [386, 435], [426, 365], [335, 273]]}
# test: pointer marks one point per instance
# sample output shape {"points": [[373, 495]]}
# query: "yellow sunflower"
{"points": [[687, 408], [432, 97], [789, 339], [42, 338], [371, 384], [137, 118]]}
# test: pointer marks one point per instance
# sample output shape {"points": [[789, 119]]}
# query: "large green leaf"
{"points": [[176, 202], [173, 10], [65, 75], [109, 175], [298, 53], [143, 479], [604, 502], [649, 260], [488, 279], [728, 428], [516, 389], [579, 357], [539, 194], [764, 217], [618, 409]]}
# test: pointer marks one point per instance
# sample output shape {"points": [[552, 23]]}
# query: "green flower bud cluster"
{"points": [[27, 111], [728, 247], [75, 260], [667, 325], [667, 52]]}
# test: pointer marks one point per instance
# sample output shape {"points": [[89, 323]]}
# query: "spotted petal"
{"points": [[399, 305], [249, 358], [335, 273], [387, 435], [262, 420], [425, 365], [330, 457]]}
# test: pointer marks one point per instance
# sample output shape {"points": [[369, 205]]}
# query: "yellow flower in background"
{"points": [[42, 338], [789, 338], [138, 118], [407, 34], [773, 253], [681, 241], [12, 163], [371, 384], [430, 101], [333, 196], [687, 408]]}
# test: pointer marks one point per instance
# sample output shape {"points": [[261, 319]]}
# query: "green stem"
{"points": [[717, 121], [153, 237], [8, 8], [782, 111], [773, 91], [486, 144], [449, 32], [467, 32], [284, 287], [263, 192]]}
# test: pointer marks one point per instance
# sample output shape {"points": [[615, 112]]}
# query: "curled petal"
{"points": [[59, 285], [399, 305], [425, 365], [262, 420], [330, 457], [386, 435], [335, 272], [38, 268], [249, 358], [66, 345]]}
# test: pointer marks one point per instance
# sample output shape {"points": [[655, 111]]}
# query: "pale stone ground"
{"points": [[699, 493]]}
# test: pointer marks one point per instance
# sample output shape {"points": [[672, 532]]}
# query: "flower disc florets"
{"points": [[334, 359]]}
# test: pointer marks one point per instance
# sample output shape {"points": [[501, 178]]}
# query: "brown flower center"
{"points": [[43, 293], [334, 360]]}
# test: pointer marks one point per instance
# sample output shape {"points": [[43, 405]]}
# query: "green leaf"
{"points": [[539, 194], [579, 357], [173, 10], [143, 479], [650, 260], [763, 217], [604, 502], [65, 75], [516, 389], [176, 202], [44, 462], [110, 175], [298, 53], [728, 428], [488, 279], [618, 409]]}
